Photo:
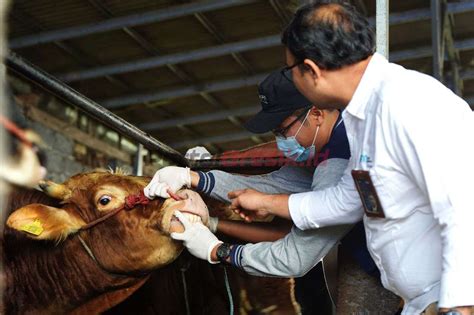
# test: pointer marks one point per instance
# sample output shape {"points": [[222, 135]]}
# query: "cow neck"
{"points": [[59, 278], [90, 253], [108, 300]]}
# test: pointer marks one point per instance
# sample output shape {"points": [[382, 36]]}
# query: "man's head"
{"points": [[322, 40]]}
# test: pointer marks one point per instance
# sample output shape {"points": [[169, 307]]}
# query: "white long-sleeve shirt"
{"points": [[416, 139]]}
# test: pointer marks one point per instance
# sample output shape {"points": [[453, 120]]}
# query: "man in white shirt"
{"points": [[412, 164]]}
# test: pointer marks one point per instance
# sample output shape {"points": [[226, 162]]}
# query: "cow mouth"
{"points": [[168, 223], [177, 226]]}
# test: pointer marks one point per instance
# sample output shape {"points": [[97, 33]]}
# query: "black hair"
{"points": [[299, 113], [333, 34]]}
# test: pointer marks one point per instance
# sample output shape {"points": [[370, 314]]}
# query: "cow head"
{"points": [[133, 240]]}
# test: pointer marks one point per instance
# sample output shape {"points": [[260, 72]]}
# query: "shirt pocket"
{"points": [[397, 195]]}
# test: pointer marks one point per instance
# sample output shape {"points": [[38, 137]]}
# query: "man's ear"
{"points": [[317, 114], [41, 222], [312, 68]]}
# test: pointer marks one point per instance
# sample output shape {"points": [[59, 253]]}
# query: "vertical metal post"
{"points": [[436, 39], [138, 165], [381, 24], [4, 186]]}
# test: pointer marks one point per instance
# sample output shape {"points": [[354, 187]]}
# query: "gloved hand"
{"points": [[170, 177], [197, 238], [194, 204]]}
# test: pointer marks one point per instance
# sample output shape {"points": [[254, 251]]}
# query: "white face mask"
{"points": [[292, 149]]}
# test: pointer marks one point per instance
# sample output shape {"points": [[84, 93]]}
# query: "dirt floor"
{"points": [[361, 294]]}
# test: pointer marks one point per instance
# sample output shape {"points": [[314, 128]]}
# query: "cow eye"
{"points": [[104, 200]]}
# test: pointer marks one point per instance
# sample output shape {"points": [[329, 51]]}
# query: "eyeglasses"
{"points": [[281, 132], [287, 73]]}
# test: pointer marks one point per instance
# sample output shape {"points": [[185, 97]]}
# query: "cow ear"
{"points": [[43, 222]]}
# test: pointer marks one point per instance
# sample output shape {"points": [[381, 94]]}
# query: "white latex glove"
{"points": [[170, 177], [197, 238], [194, 204]]}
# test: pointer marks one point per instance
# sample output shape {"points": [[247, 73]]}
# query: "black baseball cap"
{"points": [[279, 99]]}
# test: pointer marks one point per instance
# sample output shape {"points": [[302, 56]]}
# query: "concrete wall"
{"points": [[60, 161]]}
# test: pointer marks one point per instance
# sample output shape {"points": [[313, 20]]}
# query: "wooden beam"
{"points": [[71, 132]]}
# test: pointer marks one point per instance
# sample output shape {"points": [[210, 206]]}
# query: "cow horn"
{"points": [[57, 191]]}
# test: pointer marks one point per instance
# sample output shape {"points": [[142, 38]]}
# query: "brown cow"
{"points": [[52, 266], [50, 270]]}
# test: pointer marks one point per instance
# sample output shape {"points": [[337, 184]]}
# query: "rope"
{"points": [[229, 293], [185, 289], [88, 250]]}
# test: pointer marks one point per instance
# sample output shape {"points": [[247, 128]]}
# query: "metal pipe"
{"points": [[460, 7], [50, 83], [198, 119], [467, 74], [122, 101], [138, 161], [264, 42], [466, 44], [154, 62], [425, 14], [437, 39], [381, 26], [427, 51], [124, 21]]}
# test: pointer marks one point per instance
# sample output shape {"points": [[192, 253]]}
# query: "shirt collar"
{"points": [[368, 83]]}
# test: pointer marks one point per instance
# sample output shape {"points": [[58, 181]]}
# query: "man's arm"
{"points": [[254, 232], [331, 206], [287, 179], [292, 256]]}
